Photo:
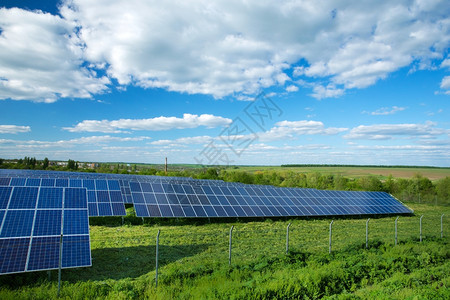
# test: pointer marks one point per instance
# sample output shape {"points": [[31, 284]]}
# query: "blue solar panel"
{"points": [[18, 181], [47, 222], [5, 194], [104, 197], [75, 222], [43, 252], [5, 181], [157, 199], [50, 197], [76, 251], [31, 222], [13, 254], [17, 223]]}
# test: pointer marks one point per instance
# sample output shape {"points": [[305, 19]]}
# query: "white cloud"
{"points": [[445, 84], [290, 129], [389, 131], [154, 124], [292, 88], [14, 129], [216, 48], [40, 58], [232, 47], [91, 140], [184, 141], [385, 111]]}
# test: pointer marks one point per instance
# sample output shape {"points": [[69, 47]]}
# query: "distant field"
{"points": [[397, 172]]}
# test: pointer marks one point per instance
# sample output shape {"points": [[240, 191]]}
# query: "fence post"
{"points": [[157, 254], [287, 238], [60, 263], [367, 233], [229, 250], [442, 227], [396, 230], [421, 228], [329, 249]]}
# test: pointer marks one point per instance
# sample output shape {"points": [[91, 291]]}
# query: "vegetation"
{"points": [[194, 261]]}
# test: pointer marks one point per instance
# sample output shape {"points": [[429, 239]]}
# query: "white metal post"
{"points": [[156, 264], [421, 228], [442, 226], [367, 233], [287, 238], [329, 249], [396, 230], [229, 250]]}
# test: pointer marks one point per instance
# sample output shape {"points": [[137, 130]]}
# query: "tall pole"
{"points": [[367, 233], [157, 253], [229, 249], [421, 228], [287, 238], [165, 168], [329, 248], [396, 230], [442, 226]]}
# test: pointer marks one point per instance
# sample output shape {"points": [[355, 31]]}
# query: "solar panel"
{"points": [[32, 219], [158, 199], [104, 197]]}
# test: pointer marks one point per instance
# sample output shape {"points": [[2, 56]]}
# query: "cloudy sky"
{"points": [[226, 82]]}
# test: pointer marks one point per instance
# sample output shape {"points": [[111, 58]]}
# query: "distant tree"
{"points": [[1, 161], [45, 163], [72, 165]]}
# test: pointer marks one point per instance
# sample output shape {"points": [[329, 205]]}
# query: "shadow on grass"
{"points": [[110, 263]]}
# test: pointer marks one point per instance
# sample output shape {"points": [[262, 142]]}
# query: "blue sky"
{"points": [[226, 82]]}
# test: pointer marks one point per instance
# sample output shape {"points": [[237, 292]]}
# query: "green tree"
{"points": [[72, 165], [45, 163]]}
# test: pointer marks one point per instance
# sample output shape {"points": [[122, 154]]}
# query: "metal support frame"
{"points": [[367, 233], [421, 228], [156, 263], [230, 245], [331, 226], [396, 231], [287, 238], [60, 264]]}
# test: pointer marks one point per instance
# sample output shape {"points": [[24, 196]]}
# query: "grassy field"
{"points": [[355, 172], [194, 261]]}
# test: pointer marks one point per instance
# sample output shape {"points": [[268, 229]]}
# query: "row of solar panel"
{"points": [[31, 222], [252, 190], [211, 211], [253, 200], [154, 200]]}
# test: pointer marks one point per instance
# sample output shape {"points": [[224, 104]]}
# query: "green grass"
{"points": [[194, 261]]}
